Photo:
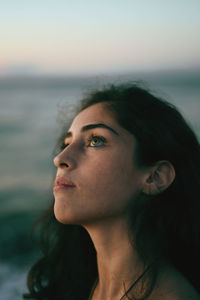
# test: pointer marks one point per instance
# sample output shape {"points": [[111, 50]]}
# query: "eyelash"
{"points": [[101, 138]]}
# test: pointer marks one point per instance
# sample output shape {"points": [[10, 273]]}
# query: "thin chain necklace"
{"points": [[132, 285]]}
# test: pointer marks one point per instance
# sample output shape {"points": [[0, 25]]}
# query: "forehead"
{"points": [[96, 113]]}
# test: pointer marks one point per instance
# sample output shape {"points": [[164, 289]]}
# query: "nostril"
{"points": [[59, 161], [63, 159], [63, 164]]}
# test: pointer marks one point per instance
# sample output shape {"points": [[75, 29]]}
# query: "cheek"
{"points": [[110, 183], [106, 186]]}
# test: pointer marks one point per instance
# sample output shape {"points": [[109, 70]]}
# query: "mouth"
{"points": [[60, 187], [62, 183]]}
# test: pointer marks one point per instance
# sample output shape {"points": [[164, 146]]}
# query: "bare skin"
{"points": [[172, 285], [117, 262], [106, 180], [119, 266]]}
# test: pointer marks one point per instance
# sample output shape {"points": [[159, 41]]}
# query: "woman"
{"points": [[125, 222]]}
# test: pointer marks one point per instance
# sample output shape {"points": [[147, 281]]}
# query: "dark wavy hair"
{"points": [[167, 225]]}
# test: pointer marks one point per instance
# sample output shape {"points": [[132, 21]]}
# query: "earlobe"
{"points": [[159, 178]]}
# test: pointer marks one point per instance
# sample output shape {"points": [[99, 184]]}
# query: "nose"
{"points": [[64, 159]]}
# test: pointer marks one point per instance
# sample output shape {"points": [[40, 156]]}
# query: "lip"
{"points": [[63, 183], [62, 187]]}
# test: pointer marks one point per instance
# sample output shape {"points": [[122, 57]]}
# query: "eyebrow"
{"points": [[92, 126]]}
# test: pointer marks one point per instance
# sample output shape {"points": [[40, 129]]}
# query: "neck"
{"points": [[117, 261]]}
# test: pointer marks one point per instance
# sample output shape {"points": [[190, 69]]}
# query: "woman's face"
{"points": [[99, 160]]}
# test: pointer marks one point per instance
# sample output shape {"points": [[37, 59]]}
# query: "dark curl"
{"points": [[166, 226]]}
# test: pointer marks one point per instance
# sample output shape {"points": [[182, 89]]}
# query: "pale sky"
{"points": [[75, 36]]}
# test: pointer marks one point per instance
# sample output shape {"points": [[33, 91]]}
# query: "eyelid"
{"points": [[101, 138], [63, 145]]}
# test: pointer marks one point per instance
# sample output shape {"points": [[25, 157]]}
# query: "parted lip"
{"points": [[60, 180]]}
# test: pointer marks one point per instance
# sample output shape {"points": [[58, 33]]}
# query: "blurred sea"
{"points": [[29, 127]]}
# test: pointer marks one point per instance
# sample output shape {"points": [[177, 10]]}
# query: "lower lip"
{"points": [[62, 187]]}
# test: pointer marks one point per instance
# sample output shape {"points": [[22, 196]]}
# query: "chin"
{"points": [[64, 216], [61, 216], [68, 214]]}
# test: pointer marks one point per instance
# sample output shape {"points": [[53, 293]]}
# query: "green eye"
{"points": [[96, 141]]}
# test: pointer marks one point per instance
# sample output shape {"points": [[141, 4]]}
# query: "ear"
{"points": [[159, 178]]}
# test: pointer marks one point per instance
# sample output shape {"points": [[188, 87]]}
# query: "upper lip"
{"points": [[63, 181]]}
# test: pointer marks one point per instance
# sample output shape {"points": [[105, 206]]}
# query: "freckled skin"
{"points": [[105, 175]]}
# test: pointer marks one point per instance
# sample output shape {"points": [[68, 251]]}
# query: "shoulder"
{"points": [[178, 293], [173, 285], [184, 295]]}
